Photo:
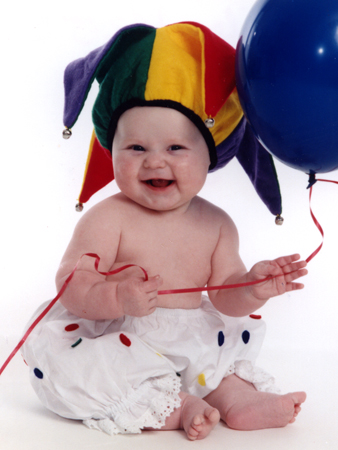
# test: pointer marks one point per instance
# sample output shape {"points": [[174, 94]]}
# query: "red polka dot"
{"points": [[72, 327], [254, 316], [125, 340]]}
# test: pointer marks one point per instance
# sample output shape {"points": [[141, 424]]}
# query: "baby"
{"points": [[117, 354]]}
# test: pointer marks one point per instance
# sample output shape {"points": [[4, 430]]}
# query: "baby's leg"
{"points": [[195, 416], [242, 407]]}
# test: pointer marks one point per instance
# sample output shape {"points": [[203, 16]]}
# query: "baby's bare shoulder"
{"points": [[104, 212], [98, 231], [213, 213], [99, 222], [218, 223]]}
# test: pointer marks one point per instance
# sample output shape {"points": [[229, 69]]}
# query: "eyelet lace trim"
{"points": [[262, 380], [156, 399]]}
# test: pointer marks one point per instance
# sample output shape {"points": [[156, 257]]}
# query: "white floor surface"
{"points": [[26, 425]]}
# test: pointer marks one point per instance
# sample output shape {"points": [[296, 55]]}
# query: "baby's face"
{"points": [[160, 158]]}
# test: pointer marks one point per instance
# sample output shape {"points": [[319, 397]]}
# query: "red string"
{"points": [[171, 291], [308, 259], [216, 288], [327, 181]]}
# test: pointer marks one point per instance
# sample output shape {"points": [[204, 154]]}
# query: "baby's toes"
{"points": [[295, 414], [198, 420], [212, 415], [297, 410], [196, 426], [192, 434], [197, 423]]}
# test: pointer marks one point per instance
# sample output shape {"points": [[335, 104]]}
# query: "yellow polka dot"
{"points": [[201, 379], [159, 355]]}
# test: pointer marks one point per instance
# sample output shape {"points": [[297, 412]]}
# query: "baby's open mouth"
{"points": [[160, 183]]}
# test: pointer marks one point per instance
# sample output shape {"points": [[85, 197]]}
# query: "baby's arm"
{"points": [[94, 296], [228, 268]]}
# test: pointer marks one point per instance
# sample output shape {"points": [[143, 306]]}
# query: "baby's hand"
{"points": [[137, 297], [288, 269]]}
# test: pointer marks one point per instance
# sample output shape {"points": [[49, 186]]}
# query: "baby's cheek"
{"points": [[123, 170]]}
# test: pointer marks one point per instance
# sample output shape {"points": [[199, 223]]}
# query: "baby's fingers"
{"points": [[290, 285], [298, 272], [291, 265], [288, 263], [294, 286], [152, 284]]}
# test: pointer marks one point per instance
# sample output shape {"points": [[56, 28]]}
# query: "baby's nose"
{"points": [[154, 160]]}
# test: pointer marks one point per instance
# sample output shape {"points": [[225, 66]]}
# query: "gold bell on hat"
{"points": [[66, 134], [79, 207], [279, 220], [210, 122]]}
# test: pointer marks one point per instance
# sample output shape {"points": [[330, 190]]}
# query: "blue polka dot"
{"points": [[220, 338], [246, 336], [38, 373]]}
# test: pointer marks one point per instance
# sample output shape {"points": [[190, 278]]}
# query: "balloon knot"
{"points": [[312, 180]]}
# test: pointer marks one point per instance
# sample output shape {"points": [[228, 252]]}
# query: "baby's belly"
{"points": [[171, 281], [180, 301]]}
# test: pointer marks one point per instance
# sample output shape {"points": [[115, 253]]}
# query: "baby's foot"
{"points": [[263, 410], [198, 418]]}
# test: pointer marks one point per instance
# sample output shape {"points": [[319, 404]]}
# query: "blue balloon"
{"points": [[287, 80]]}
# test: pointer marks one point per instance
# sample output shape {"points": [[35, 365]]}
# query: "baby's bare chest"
{"points": [[180, 254]]}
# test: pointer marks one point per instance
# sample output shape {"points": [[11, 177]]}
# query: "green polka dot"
{"points": [[77, 343]]}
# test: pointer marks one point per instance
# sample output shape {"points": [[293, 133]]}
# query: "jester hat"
{"points": [[183, 66]]}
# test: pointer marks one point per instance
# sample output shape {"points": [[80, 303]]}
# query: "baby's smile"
{"points": [[159, 183]]}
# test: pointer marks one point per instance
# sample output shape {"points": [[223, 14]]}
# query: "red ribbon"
{"points": [[171, 291], [308, 259], [215, 288]]}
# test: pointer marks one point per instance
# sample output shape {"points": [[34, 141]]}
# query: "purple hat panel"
{"points": [[79, 76]]}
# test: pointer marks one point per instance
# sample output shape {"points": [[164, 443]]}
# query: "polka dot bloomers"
{"points": [[123, 375]]}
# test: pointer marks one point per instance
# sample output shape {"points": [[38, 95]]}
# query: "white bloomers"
{"points": [[123, 375]]}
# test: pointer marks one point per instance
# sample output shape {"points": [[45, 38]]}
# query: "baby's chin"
{"points": [[162, 206]]}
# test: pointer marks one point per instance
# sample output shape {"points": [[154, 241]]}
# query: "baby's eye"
{"points": [[175, 147], [137, 148]]}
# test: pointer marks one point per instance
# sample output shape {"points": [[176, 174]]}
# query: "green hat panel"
{"points": [[122, 76]]}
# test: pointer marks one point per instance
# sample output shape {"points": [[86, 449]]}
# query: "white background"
{"points": [[41, 174]]}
